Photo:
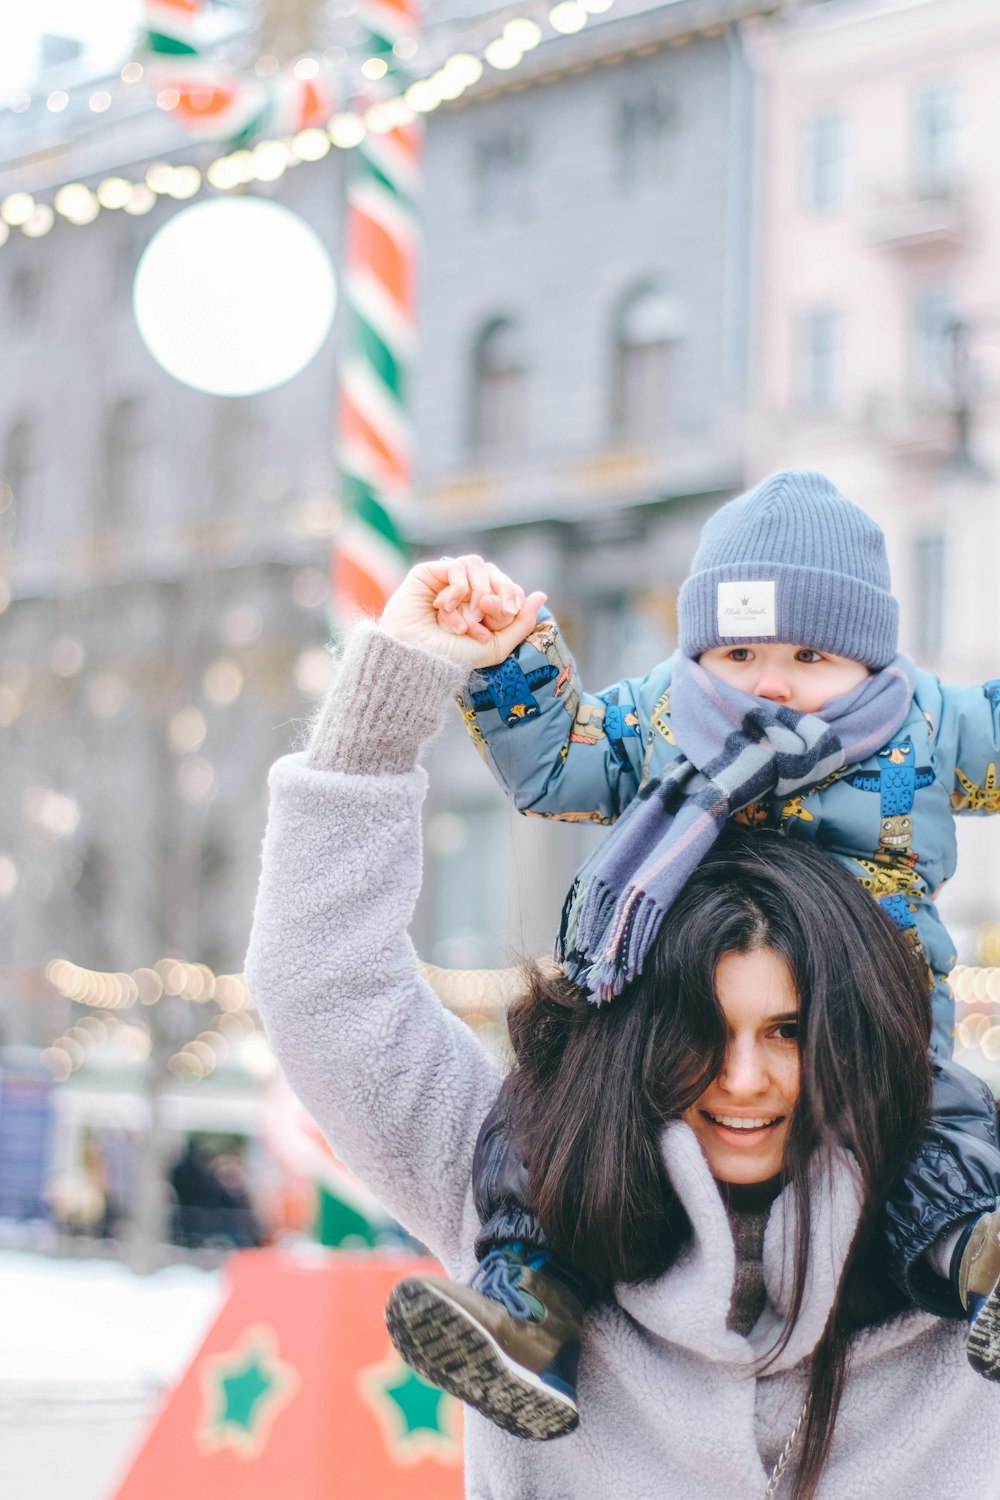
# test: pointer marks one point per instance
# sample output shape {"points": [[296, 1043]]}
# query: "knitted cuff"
{"points": [[385, 701]]}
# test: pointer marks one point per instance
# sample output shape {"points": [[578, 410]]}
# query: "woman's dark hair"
{"points": [[592, 1087]]}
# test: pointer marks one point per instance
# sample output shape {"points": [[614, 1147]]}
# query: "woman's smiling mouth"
{"points": [[743, 1124]]}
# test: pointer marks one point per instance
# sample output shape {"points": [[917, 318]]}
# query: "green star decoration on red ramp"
{"points": [[417, 1420], [244, 1390]]}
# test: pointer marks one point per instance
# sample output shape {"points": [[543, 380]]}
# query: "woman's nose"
{"points": [[743, 1072]]}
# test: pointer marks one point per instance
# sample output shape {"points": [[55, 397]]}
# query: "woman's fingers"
{"points": [[460, 573], [484, 587]]}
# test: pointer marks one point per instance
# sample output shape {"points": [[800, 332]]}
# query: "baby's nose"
{"points": [[774, 686]]}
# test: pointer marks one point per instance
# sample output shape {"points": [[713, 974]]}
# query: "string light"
{"points": [[502, 55], [567, 17], [16, 209], [77, 203], [114, 192], [40, 222], [311, 144], [347, 130], [140, 200], [524, 34], [270, 159]]}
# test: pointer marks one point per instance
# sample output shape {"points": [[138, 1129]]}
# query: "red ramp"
{"points": [[297, 1390]]}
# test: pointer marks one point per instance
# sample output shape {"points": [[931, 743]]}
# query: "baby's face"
{"points": [[796, 676]]}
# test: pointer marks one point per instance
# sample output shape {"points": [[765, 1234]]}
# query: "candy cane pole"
{"points": [[370, 552]]}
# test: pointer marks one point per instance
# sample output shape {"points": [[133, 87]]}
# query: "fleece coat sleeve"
{"points": [[397, 1084]]}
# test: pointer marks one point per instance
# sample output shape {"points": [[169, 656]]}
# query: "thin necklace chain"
{"points": [[786, 1453]]}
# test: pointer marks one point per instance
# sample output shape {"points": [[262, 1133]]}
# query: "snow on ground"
{"points": [[84, 1324], [88, 1351]]}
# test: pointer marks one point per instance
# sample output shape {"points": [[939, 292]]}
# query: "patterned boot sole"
{"points": [[449, 1348], [983, 1343]]}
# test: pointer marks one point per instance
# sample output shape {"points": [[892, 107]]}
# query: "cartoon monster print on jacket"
{"points": [[897, 782]]}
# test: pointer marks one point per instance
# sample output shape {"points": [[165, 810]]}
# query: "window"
{"points": [[124, 467], [647, 327], [936, 141], [24, 295], [235, 453], [823, 162], [819, 334], [498, 391], [92, 904], [645, 127], [933, 320], [22, 466], [929, 602], [502, 175]]}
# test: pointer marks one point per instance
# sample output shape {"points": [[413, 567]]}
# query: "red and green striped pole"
{"points": [[380, 289]]}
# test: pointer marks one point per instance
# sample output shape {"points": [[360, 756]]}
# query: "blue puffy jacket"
{"points": [[562, 753]]}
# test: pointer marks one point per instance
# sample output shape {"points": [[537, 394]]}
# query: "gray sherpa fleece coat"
{"points": [[670, 1408]]}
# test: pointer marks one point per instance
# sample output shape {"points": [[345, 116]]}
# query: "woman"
{"points": [[678, 1403]]}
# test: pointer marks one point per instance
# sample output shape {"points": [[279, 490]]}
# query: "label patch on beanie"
{"points": [[746, 609]]}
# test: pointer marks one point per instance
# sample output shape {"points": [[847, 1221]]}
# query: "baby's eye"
{"points": [[807, 654], [741, 653]]}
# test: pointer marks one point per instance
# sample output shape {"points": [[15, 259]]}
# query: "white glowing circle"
{"points": [[234, 296]]}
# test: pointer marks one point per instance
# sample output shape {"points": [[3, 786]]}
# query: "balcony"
{"points": [[914, 426], [926, 216]]}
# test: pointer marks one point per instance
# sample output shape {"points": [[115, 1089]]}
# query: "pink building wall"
{"points": [[888, 239]]}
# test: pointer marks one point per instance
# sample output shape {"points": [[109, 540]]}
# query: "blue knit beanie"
{"points": [[791, 561]]}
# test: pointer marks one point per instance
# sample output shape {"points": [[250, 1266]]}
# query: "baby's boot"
{"points": [[508, 1343], [978, 1282]]}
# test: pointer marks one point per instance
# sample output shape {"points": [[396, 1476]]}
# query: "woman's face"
{"points": [[742, 1118]]}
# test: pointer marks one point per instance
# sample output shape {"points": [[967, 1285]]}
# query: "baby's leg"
{"points": [[501, 1188], [943, 1222], [508, 1343]]}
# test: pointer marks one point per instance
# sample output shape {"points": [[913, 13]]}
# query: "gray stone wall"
{"points": [[139, 564]]}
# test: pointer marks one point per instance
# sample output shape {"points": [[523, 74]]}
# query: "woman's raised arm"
{"points": [[397, 1084]]}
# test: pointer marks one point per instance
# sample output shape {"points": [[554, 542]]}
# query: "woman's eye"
{"points": [[788, 1031]]}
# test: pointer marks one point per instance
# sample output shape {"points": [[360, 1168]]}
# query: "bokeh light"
{"points": [[234, 296]]}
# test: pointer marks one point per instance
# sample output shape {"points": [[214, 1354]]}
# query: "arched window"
{"points": [[647, 129], [124, 467], [648, 324], [23, 470], [499, 374]]}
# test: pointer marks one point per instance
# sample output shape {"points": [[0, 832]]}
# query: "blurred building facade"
{"points": [[687, 245], [877, 321]]}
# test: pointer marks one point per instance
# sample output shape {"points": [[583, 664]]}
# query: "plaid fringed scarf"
{"points": [[736, 749]]}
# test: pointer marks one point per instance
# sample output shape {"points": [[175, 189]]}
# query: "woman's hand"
{"points": [[462, 608]]}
